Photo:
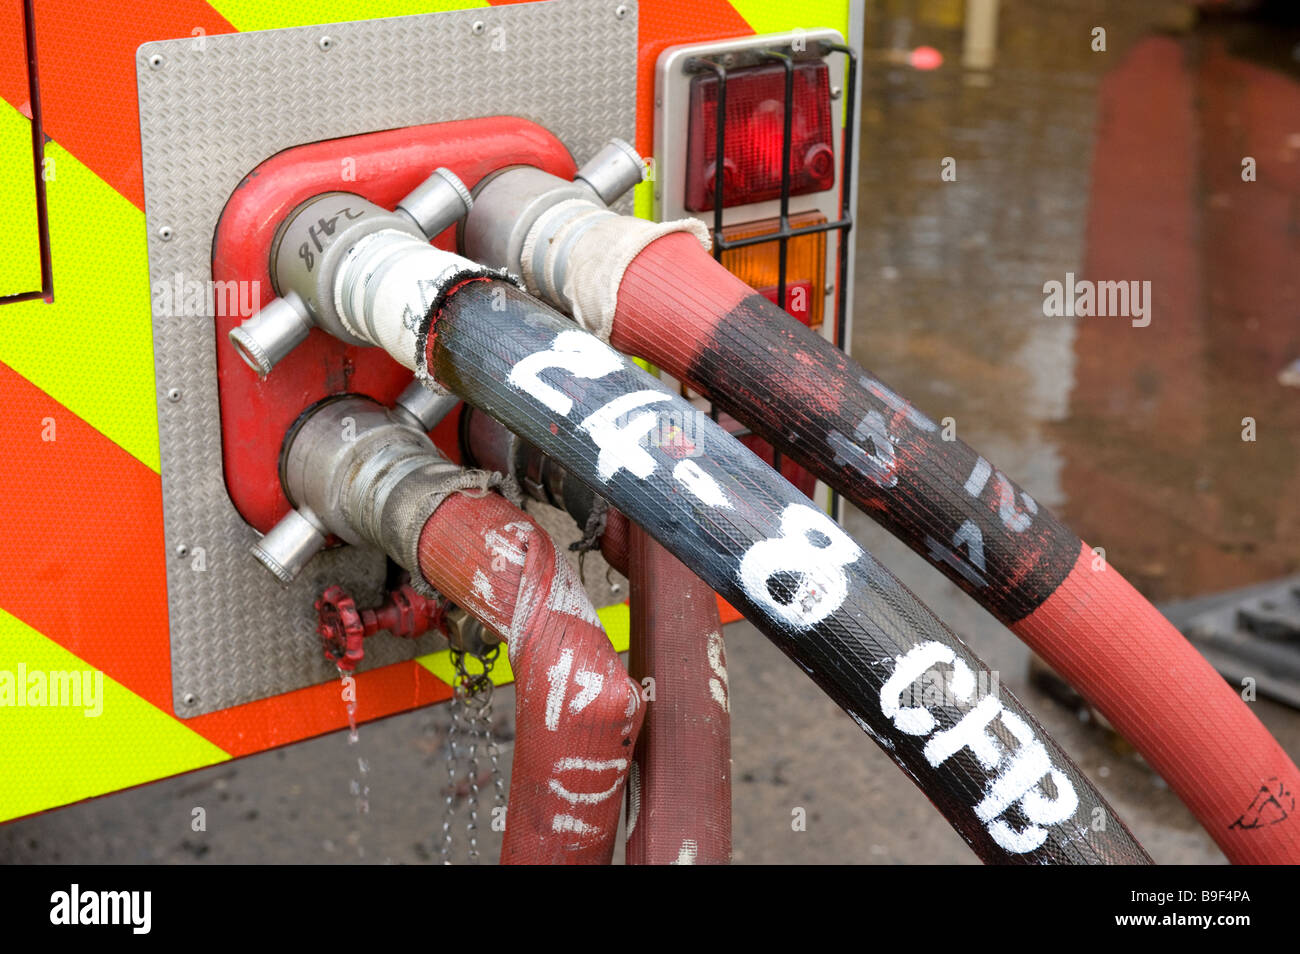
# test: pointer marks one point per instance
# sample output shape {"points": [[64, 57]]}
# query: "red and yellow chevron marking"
{"points": [[20, 266], [82, 577]]}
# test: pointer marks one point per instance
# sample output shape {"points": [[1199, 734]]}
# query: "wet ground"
{"points": [[1123, 164]]}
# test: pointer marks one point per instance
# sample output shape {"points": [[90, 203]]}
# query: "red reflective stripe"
{"points": [[313, 710], [81, 561], [662, 25], [81, 540], [86, 53]]}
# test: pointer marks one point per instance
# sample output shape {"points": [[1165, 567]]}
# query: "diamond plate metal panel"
{"points": [[212, 108]]}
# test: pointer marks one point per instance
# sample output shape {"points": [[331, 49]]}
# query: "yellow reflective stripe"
{"points": [[778, 16], [53, 755], [616, 619], [260, 15], [20, 256], [440, 665], [643, 200], [92, 350]]}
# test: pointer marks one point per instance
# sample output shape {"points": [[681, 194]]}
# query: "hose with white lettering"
{"points": [[577, 714], [679, 790], [679, 783], [683, 311], [909, 682]]}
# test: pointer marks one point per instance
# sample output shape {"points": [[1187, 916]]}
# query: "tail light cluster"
{"points": [[754, 137], [755, 129]]}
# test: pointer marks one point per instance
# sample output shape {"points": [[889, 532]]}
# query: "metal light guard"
{"points": [[784, 233]]}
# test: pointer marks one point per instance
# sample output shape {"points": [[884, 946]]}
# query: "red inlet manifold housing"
{"points": [[382, 167]]}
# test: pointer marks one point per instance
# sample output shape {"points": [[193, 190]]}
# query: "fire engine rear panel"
{"points": [[207, 116], [113, 458]]}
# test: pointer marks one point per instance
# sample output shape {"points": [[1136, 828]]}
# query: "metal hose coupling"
{"points": [[561, 237], [388, 290], [364, 474], [309, 251]]}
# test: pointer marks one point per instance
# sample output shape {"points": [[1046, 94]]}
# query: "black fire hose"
{"points": [[909, 682]]}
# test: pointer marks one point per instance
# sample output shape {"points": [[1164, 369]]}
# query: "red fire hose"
{"points": [[1014, 796], [679, 793], [1005, 786], [614, 543], [577, 713], [683, 311]]}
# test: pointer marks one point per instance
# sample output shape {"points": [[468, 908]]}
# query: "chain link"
{"points": [[471, 716], [449, 809], [471, 830], [498, 780]]}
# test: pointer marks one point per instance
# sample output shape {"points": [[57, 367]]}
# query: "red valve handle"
{"points": [[343, 628], [340, 627]]}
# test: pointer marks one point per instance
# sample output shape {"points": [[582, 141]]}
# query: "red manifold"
{"points": [[382, 167]]}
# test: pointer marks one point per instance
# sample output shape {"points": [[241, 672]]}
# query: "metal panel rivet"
{"points": [[165, 233], [835, 92], [156, 61], [621, 11], [325, 43], [174, 394], [190, 699], [478, 27], [182, 550]]}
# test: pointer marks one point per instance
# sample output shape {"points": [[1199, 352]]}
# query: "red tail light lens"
{"points": [[755, 126]]}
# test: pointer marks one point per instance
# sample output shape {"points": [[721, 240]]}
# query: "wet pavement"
{"points": [[1117, 165]]}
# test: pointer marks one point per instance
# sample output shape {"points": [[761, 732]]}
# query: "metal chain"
{"points": [[498, 780], [449, 809], [471, 830], [471, 715]]}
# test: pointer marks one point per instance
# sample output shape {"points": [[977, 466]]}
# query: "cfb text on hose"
{"points": [[653, 291], [808, 586], [681, 310]]}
